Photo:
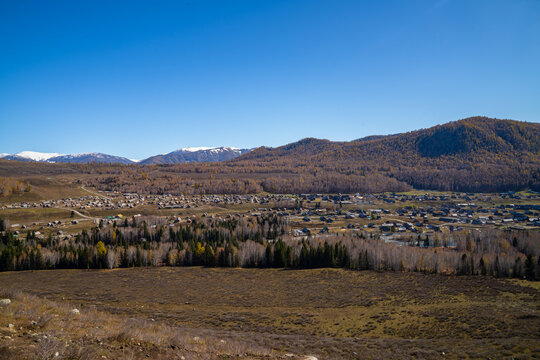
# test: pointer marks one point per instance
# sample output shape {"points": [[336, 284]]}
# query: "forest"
{"points": [[264, 242], [471, 155]]}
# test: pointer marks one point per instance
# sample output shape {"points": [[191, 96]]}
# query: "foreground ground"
{"points": [[249, 313]]}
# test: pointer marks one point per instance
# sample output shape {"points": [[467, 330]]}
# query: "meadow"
{"points": [[326, 313]]}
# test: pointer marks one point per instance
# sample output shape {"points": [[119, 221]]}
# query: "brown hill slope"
{"points": [[464, 138], [475, 154]]}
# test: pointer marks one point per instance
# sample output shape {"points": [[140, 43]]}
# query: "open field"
{"points": [[329, 313], [45, 188]]}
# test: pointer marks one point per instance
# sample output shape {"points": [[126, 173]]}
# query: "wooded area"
{"points": [[263, 242], [473, 155]]}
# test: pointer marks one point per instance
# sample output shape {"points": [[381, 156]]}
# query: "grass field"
{"points": [[332, 314], [44, 188], [30, 215]]}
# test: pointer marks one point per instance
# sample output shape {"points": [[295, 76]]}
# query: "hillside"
{"points": [[475, 154], [464, 138]]}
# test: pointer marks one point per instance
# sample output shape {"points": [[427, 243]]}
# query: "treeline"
{"points": [[264, 242]]}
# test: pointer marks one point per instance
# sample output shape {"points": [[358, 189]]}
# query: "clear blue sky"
{"points": [[137, 78]]}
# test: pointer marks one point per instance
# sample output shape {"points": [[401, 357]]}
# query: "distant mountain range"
{"points": [[184, 155], [29, 156], [90, 158], [61, 158], [195, 155], [473, 154], [459, 144]]}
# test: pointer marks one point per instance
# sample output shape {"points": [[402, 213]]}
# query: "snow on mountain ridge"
{"points": [[204, 148], [187, 154], [96, 154], [90, 158], [193, 149], [37, 156]]}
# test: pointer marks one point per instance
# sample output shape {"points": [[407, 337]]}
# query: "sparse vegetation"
{"points": [[267, 313], [44, 329]]}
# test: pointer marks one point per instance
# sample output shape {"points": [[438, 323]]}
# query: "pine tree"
{"points": [[530, 271]]}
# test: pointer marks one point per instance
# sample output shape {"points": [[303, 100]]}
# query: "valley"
{"points": [[269, 180], [415, 245]]}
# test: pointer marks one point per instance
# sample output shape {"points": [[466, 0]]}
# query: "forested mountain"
{"points": [[463, 138], [475, 154], [196, 155]]}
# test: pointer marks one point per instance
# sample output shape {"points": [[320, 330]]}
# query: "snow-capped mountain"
{"points": [[37, 156], [70, 158], [90, 158], [196, 154], [183, 155], [200, 148], [30, 156]]}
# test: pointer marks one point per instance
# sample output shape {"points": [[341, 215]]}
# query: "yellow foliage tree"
{"points": [[199, 250], [100, 248]]}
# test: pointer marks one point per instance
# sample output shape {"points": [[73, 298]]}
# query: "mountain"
{"points": [[31, 156], [372, 137], [473, 154], [16, 157], [184, 155], [476, 154], [37, 156], [196, 155], [90, 158], [460, 139]]}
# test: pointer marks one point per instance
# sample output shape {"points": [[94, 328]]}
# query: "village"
{"points": [[393, 216]]}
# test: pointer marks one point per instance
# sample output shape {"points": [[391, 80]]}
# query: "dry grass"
{"points": [[44, 188], [46, 329], [332, 314]]}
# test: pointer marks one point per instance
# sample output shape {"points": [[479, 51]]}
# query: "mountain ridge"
{"points": [[456, 138], [460, 145], [196, 155], [476, 154], [183, 155]]}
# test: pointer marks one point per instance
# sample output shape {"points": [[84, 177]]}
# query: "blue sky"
{"points": [[137, 78]]}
